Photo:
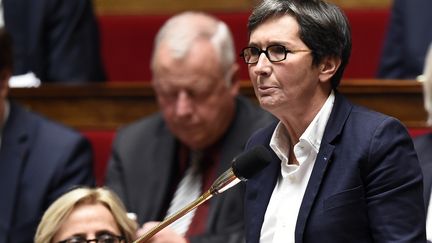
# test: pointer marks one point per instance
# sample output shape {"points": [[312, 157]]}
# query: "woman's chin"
{"points": [[267, 102]]}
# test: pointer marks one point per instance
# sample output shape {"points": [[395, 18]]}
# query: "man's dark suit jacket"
{"points": [[408, 37], [366, 184], [39, 161], [55, 39], [423, 146], [144, 156]]}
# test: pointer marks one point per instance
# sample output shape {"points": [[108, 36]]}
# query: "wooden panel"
{"points": [[362, 3], [402, 99], [110, 105], [92, 106], [169, 6], [119, 7]]}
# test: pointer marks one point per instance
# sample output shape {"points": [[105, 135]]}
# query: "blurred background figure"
{"points": [[85, 214], [39, 160], [56, 40], [423, 143], [203, 124], [408, 36]]}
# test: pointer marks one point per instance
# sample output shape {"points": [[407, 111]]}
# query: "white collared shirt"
{"points": [[282, 211], [2, 123]]}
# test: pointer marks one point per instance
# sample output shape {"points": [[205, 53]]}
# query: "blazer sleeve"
{"points": [[391, 65], [76, 168], [115, 178], [394, 188], [74, 43]]}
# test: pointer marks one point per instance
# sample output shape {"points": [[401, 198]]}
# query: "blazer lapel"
{"points": [[259, 191], [260, 188], [312, 189], [165, 165], [233, 144], [226, 155], [338, 116], [162, 166]]}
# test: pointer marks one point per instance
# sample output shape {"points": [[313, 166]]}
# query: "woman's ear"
{"points": [[328, 68]]}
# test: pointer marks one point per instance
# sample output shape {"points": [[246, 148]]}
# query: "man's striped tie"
{"points": [[187, 191]]}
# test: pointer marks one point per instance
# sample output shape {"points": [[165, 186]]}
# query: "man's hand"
{"points": [[166, 235]]}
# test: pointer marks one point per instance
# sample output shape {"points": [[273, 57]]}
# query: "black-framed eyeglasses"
{"points": [[105, 238], [275, 53]]}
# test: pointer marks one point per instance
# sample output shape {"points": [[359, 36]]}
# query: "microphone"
{"points": [[243, 167]]}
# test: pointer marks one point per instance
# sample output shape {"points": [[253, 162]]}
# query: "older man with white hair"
{"points": [[164, 161]]}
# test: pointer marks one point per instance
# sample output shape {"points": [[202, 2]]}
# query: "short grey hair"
{"points": [[182, 30]]}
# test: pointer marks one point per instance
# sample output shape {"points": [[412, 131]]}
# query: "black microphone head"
{"points": [[249, 163]]}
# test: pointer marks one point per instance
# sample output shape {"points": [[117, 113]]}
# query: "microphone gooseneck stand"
{"points": [[243, 167], [225, 181]]}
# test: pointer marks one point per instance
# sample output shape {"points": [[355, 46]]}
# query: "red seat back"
{"points": [[101, 141], [127, 42]]}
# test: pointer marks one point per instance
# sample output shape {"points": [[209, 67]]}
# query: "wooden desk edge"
{"points": [[74, 104]]}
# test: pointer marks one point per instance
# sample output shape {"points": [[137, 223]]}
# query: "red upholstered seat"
{"points": [[101, 141], [127, 42], [368, 28], [414, 132]]}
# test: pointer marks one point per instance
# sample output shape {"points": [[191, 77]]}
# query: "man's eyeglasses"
{"points": [[275, 53], [105, 238]]}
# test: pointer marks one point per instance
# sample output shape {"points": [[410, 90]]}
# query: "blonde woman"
{"points": [[86, 215]]}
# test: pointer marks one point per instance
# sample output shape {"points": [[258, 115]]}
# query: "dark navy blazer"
{"points": [[39, 161], [408, 37], [55, 39], [366, 184]]}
